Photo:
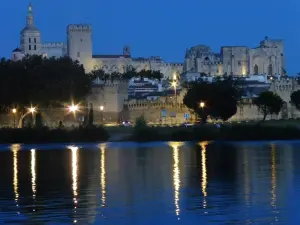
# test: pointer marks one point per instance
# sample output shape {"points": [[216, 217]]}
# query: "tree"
{"points": [[91, 115], [98, 74], [38, 120], [295, 99], [220, 99], [268, 103], [41, 82]]}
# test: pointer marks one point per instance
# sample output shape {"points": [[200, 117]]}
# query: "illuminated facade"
{"points": [[268, 58], [79, 47]]}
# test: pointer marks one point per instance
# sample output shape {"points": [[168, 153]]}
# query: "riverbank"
{"points": [[45, 135], [208, 132]]}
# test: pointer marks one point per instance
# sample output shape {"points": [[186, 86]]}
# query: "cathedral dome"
{"points": [[30, 27], [29, 30]]}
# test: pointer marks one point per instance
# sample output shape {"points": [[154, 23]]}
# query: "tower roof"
{"points": [[17, 50], [30, 27]]}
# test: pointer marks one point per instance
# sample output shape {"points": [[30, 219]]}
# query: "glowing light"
{"points": [[244, 70], [202, 104], [174, 76], [32, 109], [74, 151], [204, 172], [33, 172], [174, 84], [73, 108], [176, 175], [15, 149], [101, 107], [103, 175], [14, 111], [273, 175], [246, 176]]}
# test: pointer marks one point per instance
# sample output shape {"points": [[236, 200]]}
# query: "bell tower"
{"points": [[30, 36]]}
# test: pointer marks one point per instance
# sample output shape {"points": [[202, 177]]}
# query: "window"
{"points": [[255, 69], [239, 63], [270, 70], [29, 40], [34, 47], [29, 47], [34, 40], [78, 54]]}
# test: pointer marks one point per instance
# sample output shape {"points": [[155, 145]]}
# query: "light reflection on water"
{"points": [[131, 184]]}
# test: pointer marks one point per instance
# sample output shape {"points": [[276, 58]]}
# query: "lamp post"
{"points": [[202, 105], [14, 111], [32, 110], [73, 109], [101, 110], [174, 84]]}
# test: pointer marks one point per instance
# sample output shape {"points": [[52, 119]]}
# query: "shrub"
{"points": [[142, 132]]}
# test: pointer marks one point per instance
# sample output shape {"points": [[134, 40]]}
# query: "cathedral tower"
{"points": [[30, 36]]}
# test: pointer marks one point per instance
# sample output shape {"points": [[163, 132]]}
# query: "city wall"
{"points": [[112, 96]]}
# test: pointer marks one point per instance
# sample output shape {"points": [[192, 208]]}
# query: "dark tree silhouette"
{"points": [[91, 115], [220, 99], [268, 103], [295, 99], [41, 81]]}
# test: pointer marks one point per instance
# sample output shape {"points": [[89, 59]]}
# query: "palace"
{"points": [[79, 47], [268, 58], [262, 68]]}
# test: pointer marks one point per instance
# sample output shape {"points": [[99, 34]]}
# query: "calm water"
{"points": [[159, 183]]}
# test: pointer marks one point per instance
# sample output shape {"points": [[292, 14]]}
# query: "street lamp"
{"points": [[174, 84], [14, 111], [101, 110], [202, 104], [32, 110], [73, 108]]}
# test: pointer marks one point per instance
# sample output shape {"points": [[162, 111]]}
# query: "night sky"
{"points": [[160, 27]]}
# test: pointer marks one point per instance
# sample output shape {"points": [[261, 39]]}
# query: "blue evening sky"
{"points": [[160, 27]]}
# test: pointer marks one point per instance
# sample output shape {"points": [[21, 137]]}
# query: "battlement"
{"points": [[284, 85], [158, 105], [172, 64], [108, 83], [53, 45], [79, 28]]}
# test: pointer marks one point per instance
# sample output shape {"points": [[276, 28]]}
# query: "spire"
{"points": [[187, 53], [30, 15]]}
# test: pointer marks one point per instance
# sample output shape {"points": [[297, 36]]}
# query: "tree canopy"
{"points": [[295, 99], [268, 103], [129, 74], [41, 81], [219, 99]]}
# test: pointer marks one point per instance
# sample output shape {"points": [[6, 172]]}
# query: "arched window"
{"points": [[255, 68], [270, 70]]}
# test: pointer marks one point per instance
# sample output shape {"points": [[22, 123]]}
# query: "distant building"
{"points": [[79, 47], [268, 58]]}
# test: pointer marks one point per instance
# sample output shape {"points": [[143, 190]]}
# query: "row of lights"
{"points": [[31, 110], [72, 108]]}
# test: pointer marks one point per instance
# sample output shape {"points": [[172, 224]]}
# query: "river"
{"points": [[151, 183]]}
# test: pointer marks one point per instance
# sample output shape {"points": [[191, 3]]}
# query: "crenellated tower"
{"points": [[79, 44]]}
